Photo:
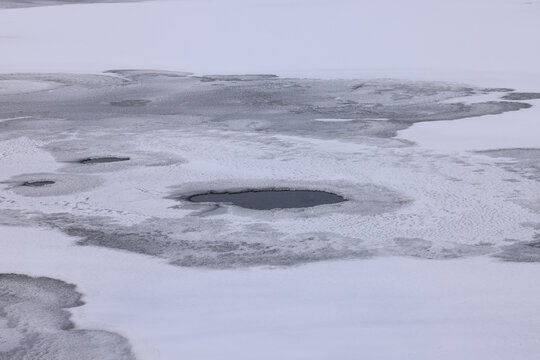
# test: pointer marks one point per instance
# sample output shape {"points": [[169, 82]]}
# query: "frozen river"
{"points": [[417, 149]]}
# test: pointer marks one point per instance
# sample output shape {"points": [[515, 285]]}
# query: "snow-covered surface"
{"points": [[395, 308], [243, 36], [439, 206], [484, 42], [9, 87], [517, 130], [383, 308]]}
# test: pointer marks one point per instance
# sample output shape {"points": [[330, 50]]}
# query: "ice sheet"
{"points": [[386, 308]]}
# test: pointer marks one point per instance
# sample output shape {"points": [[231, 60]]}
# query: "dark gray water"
{"points": [[38, 183], [271, 199], [100, 160]]}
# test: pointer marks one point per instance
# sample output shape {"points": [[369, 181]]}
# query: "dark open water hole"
{"points": [[38, 183], [270, 198], [99, 160]]}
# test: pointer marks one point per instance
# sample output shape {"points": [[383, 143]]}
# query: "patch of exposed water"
{"points": [[267, 199]]}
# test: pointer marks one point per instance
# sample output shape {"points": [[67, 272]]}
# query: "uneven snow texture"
{"points": [[188, 134], [522, 160], [31, 3], [35, 325]]}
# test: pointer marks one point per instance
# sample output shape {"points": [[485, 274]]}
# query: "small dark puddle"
{"points": [[270, 199], [38, 183], [100, 160]]}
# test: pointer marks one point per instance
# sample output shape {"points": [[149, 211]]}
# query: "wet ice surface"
{"points": [[231, 133], [35, 323], [270, 199]]}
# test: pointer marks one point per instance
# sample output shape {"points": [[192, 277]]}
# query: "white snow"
{"points": [[510, 130], [453, 205], [484, 42], [389, 308], [242, 36], [23, 155], [393, 308]]}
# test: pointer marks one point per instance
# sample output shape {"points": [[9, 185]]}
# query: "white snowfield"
{"points": [[389, 308], [381, 308], [276, 36]]}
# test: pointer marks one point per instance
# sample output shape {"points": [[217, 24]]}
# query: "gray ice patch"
{"points": [[522, 160], [521, 252], [522, 96], [264, 103], [206, 241], [77, 122], [134, 75], [426, 249], [34, 323]]}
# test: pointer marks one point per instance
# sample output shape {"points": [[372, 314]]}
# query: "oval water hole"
{"points": [[268, 199]]}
